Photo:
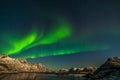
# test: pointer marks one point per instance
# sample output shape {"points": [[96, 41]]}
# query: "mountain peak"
{"points": [[8, 64]]}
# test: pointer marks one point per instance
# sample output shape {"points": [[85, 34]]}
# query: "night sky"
{"points": [[60, 33]]}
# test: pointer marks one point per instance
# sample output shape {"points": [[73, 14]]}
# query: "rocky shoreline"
{"points": [[78, 71], [110, 70]]}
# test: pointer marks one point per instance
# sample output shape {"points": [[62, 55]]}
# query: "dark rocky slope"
{"points": [[110, 70]]}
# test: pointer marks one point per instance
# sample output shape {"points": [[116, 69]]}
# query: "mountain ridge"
{"points": [[8, 64]]}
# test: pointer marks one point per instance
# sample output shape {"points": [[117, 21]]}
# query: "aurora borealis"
{"points": [[60, 31], [33, 39]]}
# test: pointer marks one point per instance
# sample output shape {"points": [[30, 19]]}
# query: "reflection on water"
{"points": [[35, 76]]}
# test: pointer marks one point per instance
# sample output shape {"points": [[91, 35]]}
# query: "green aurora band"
{"points": [[62, 50], [17, 44], [46, 43], [61, 30]]}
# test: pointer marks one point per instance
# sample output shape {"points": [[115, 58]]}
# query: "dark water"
{"points": [[36, 76]]}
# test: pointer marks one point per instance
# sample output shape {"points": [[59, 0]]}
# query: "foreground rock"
{"points": [[110, 70], [8, 64]]}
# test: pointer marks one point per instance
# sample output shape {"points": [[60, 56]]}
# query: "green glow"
{"points": [[19, 43], [38, 43], [61, 30], [64, 49]]}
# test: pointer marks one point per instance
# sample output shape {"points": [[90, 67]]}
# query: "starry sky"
{"points": [[60, 33]]}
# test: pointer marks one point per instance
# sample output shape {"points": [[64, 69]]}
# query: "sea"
{"points": [[37, 76]]}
